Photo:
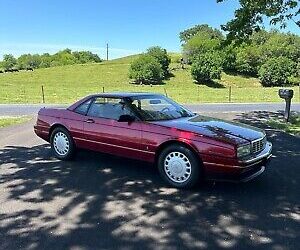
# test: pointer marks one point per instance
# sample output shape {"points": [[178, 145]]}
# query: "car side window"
{"points": [[83, 108], [110, 108]]}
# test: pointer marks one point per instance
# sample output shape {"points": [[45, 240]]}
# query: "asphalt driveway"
{"points": [[104, 202]]}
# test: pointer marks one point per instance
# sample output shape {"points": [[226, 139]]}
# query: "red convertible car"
{"points": [[185, 146]]}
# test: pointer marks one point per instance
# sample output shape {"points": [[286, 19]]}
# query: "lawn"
{"points": [[7, 121], [68, 83], [293, 126]]}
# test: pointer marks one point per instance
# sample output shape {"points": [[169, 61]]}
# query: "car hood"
{"points": [[232, 132]]}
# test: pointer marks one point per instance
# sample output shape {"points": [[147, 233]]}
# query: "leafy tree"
{"points": [[29, 61], [280, 44], [162, 57], [250, 16], [248, 59], [86, 57], [229, 54], [63, 57], [187, 34], [276, 71], [9, 62], [207, 67], [297, 73], [46, 59], [145, 69], [200, 44]]}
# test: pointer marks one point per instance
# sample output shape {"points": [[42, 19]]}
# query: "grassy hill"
{"points": [[68, 83]]}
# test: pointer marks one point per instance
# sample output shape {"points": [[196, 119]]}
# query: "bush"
{"points": [[297, 73], [207, 67], [198, 45], [276, 71], [162, 57], [229, 58], [145, 70], [9, 62], [248, 60], [29, 61]]}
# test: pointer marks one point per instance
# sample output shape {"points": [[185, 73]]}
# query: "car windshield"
{"points": [[157, 108]]}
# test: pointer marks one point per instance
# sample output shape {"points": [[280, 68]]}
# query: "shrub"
{"points": [[229, 58], [297, 73], [145, 69], [9, 62], [29, 61], [276, 71], [207, 67], [198, 45], [248, 60], [162, 57]]}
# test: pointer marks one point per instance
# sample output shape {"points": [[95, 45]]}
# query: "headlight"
{"points": [[243, 150]]}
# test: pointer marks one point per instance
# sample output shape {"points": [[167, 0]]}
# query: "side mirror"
{"points": [[126, 118]]}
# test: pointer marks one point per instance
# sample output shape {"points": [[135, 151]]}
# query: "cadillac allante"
{"points": [[186, 147]]}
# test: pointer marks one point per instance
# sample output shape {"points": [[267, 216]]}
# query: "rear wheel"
{"points": [[62, 144], [179, 166]]}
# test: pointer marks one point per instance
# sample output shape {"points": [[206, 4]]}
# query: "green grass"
{"points": [[293, 126], [69, 83], [7, 121]]}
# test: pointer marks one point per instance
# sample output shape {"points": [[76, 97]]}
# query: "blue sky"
{"points": [[129, 26]]}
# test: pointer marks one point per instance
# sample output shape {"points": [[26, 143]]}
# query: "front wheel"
{"points": [[179, 166], [62, 144]]}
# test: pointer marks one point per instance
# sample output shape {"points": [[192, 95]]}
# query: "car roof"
{"points": [[123, 94], [112, 95]]}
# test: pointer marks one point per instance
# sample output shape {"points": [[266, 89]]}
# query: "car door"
{"points": [[75, 122], [104, 133]]}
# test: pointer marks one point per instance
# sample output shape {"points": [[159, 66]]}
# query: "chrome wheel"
{"points": [[177, 167], [61, 143]]}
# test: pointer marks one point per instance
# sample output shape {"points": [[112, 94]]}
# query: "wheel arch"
{"points": [[54, 126], [168, 143]]}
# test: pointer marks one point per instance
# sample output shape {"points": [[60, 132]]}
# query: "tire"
{"points": [[62, 144], [179, 166]]}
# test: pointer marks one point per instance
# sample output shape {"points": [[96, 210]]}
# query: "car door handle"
{"points": [[89, 121]]}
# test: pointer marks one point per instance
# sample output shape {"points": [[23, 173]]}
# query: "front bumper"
{"points": [[245, 169]]}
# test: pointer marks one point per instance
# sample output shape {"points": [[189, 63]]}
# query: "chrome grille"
{"points": [[258, 145]]}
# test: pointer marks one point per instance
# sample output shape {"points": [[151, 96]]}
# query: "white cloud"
{"points": [[18, 49]]}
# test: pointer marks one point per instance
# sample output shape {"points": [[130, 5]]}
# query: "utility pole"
{"points": [[107, 52]]}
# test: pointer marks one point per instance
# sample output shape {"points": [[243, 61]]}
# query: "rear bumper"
{"points": [[42, 132], [243, 170]]}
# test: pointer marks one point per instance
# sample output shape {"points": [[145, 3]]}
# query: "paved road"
{"points": [[103, 202], [30, 109]]}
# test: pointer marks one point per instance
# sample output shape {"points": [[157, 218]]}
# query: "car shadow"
{"points": [[103, 202]]}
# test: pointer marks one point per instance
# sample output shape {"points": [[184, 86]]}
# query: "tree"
{"points": [[187, 34], [200, 44], [63, 57], [145, 70], [229, 54], [281, 44], [248, 59], [9, 62], [86, 57], [162, 57], [207, 67], [250, 16], [29, 61], [276, 71], [46, 59]]}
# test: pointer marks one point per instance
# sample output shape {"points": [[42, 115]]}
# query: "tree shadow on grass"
{"points": [[211, 84], [234, 73], [149, 83], [104, 202]]}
